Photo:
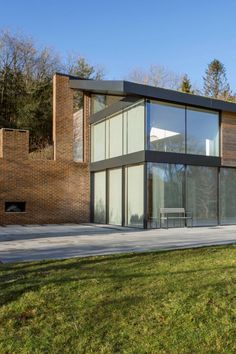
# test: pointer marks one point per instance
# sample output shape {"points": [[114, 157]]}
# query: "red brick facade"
{"points": [[55, 191]]}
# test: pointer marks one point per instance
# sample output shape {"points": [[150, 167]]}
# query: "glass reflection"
{"points": [[166, 127], [202, 132], [165, 190]]}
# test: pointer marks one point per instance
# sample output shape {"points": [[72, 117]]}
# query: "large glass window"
{"points": [[134, 196], [100, 102], [120, 134], [228, 195], [134, 129], [115, 196], [100, 197], [202, 194], [78, 136], [166, 127], [202, 132], [169, 128], [165, 190], [115, 136], [98, 144]]}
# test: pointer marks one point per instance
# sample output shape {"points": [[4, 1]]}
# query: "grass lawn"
{"points": [[168, 302]]}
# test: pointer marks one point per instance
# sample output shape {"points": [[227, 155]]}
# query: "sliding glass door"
{"points": [[115, 196], [134, 197], [100, 197], [165, 190], [201, 189]]}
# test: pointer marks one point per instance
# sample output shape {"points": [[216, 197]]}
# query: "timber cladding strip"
{"points": [[55, 191], [228, 138]]}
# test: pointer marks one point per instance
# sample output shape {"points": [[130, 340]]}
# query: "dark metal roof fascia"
{"points": [[98, 86], [131, 88], [177, 97]]}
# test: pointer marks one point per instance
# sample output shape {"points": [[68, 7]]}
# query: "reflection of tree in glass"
{"points": [[170, 144], [100, 211], [165, 189], [136, 219], [228, 195], [202, 194]]}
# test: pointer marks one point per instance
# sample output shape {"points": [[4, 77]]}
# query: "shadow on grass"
{"points": [[21, 281]]}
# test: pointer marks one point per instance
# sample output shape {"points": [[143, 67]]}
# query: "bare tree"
{"points": [[157, 75], [26, 84]]}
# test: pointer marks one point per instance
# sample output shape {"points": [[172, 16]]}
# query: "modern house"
{"points": [[133, 150]]}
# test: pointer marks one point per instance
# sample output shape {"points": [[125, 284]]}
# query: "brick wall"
{"points": [[55, 191]]}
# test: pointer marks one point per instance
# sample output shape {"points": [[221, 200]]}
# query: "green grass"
{"points": [[168, 302]]}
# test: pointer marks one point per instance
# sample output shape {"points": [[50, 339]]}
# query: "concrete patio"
{"points": [[37, 242]]}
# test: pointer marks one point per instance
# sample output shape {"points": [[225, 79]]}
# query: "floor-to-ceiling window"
{"points": [[166, 127], [115, 196], [165, 190], [114, 141], [160, 127], [202, 132], [228, 195], [98, 141], [134, 198], [181, 129], [201, 191], [120, 134], [134, 131], [100, 197]]}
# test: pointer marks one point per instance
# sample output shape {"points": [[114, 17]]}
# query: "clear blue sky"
{"points": [[120, 35]]}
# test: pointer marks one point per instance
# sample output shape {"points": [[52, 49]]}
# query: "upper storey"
{"points": [[128, 117]]}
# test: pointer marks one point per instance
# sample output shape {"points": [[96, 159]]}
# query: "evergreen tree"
{"points": [[186, 85], [215, 81]]}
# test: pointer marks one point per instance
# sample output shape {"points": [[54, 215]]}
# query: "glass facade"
{"points": [[100, 197], [98, 141], [165, 190], [228, 195], [130, 196], [181, 129], [201, 185], [166, 130], [114, 136], [121, 134], [134, 126], [157, 126], [134, 196], [197, 189], [115, 196], [202, 132]]}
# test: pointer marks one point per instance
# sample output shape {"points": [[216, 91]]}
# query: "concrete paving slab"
{"points": [[25, 243]]}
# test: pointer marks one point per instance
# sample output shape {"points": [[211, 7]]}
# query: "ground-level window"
{"points": [[115, 196], [165, 190], [134, 196], [201, 185], [228, 195], [193, 188], [100, 197], [15, 207]]}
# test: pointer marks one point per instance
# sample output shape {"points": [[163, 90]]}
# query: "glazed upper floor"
{"points": [[126, 118]]}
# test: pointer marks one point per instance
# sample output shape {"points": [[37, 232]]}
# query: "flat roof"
{"points": [[117, 87]]}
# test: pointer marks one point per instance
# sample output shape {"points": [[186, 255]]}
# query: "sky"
{"points": [[182, 35]]}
